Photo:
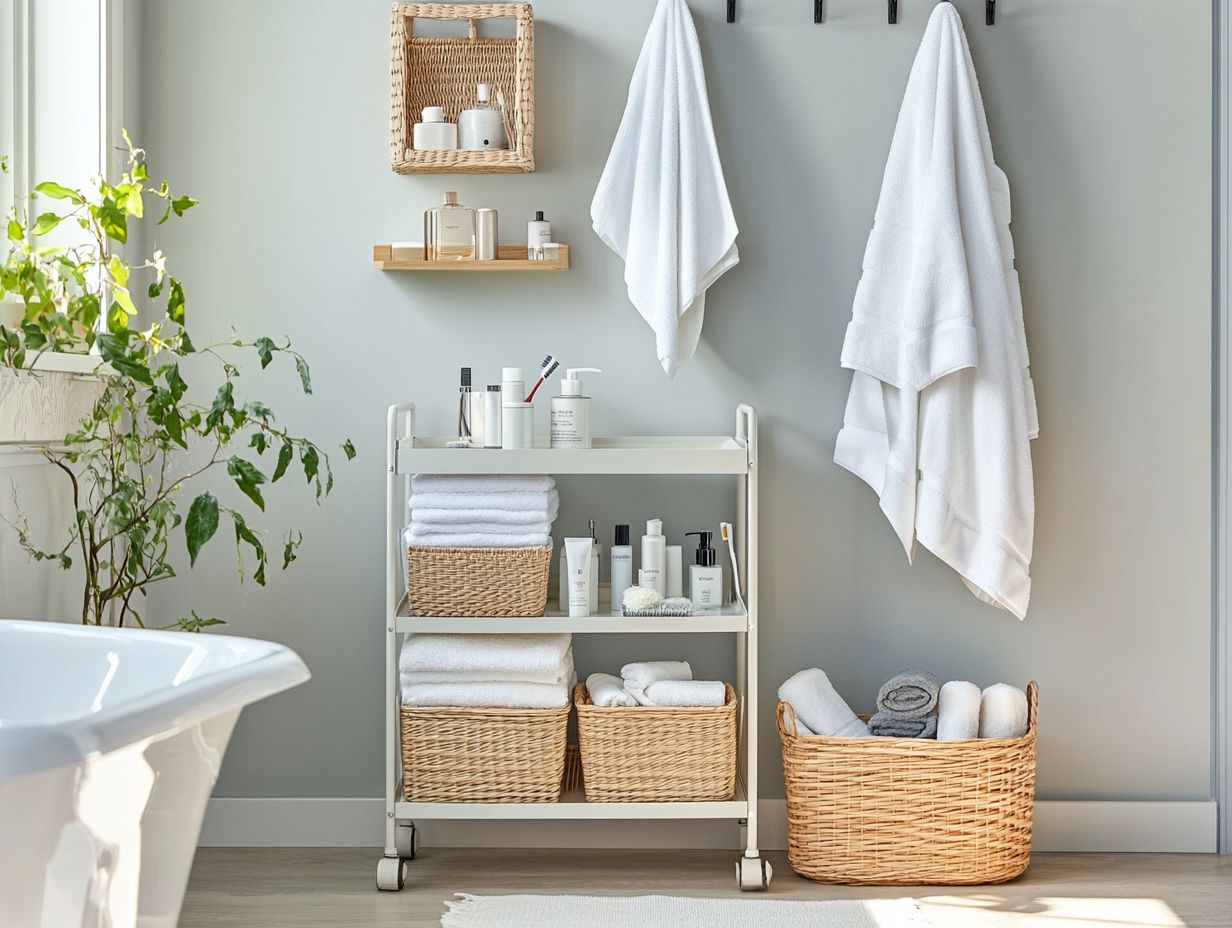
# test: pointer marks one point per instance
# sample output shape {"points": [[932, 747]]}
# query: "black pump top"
{"points": [[622, 535], [706, 555], [538, 215], [466, 378]]}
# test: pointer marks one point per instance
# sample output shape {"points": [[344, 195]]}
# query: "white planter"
{"points": [[42, 404]]}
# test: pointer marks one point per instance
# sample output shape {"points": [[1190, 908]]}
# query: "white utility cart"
{"points": [[732, 455]]}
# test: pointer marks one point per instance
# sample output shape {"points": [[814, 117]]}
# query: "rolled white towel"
{"points": [[521, 502], [1003, 712], [686, 693], [608, 690], [491, 655], [958, 711], [637, 676], [488, 695], [487, 483], [488, 516], [818, 705], [477, 540]]}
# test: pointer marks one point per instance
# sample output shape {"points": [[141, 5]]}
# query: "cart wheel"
{"points": [[406, 840], [753, 874], [390, 874]]}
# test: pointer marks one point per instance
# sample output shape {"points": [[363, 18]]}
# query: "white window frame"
{"points": [[1222, 425]]}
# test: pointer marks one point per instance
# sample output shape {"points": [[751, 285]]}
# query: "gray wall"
{"points": [[275, 115]]}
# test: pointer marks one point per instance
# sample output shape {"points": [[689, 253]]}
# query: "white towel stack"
{"points": [[487, 671], [481, 511], [655, 683]]}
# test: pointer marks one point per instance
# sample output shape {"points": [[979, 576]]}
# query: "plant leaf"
{"points": [[14, 230], [304, 377], [45, 223], [265, 350], [201, 525], [182, 204], [247, 478], [59, 192], [223, 402], [175, 383], [258, 441], [348, 448], [118, 271], [285, 453], [309, 458], [114, 349], [175, 302]]}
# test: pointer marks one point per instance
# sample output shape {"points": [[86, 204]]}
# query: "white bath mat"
{"points": [[679, 912]]}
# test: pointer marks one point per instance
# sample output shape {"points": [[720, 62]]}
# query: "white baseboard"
{"points": [[1173, 827]]}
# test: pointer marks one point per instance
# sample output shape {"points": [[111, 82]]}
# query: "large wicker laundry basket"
{"points": [[657, 754], [503, 582], [909, 811]]}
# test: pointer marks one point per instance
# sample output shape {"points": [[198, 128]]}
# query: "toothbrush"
{"points": [[545, 371], [729, 536]]}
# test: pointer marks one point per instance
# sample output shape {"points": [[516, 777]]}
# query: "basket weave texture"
{"points": [[435, 71], [483, 755], [893, 811], [657, 754], [502, 582]]}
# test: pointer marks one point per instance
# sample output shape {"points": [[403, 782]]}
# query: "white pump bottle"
{"points": [[570, 423]]}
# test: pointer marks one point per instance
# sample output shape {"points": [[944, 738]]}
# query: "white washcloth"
{"points": [[608, 690], [419, 529], [685, 693], [481, 483], [639, 675], [958, 711], [493, 517], [662, 202], [540, 503], [486, 654], [819, 707], [426, 539], [1003, 712], [555, 677], [488, 695], [942, 408]]}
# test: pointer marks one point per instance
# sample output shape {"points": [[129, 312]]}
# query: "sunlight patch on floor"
{"points": [[996, 911]]}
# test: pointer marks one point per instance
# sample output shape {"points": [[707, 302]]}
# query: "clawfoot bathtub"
{"points": [[110, 743]]}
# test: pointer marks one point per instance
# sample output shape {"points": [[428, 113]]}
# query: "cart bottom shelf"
{"points": [[573, 805]]}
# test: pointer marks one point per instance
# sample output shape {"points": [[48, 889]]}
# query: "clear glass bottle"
{"points": [[449, 231]]}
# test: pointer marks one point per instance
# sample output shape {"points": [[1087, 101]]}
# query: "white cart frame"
{"points": [[735, 456]]}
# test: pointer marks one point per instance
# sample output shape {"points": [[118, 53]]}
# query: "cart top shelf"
{"points": [[624, 455]]}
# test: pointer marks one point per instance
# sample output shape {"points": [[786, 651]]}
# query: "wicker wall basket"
{"points": [[436, 71], [483, 755], [653, 754], [895, 811], [504, 582]]}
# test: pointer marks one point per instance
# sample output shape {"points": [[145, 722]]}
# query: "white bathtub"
{"points": [[110, 743]]}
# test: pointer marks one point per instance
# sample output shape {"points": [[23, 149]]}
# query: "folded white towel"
{"points": [[608, 690], [477, 539], [1003, 712], [819, 707], [941, 412], [685, 693], [487, 654], [662, 202], [536, 502], [489, 695], [958, 711], [493, 517], [554, 677], [481, 483], [419, 529], [637, 676]]}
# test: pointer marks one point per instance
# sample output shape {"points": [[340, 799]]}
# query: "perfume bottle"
{"points": [[483, 125], [449, 231]]}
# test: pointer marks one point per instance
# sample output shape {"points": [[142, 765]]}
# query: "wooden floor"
{"points": [[333, 888]]}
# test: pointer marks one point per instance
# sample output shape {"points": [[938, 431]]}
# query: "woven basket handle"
{"points": [[1032, 705], [782, 712]]}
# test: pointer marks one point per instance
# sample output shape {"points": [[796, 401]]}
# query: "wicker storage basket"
{"points": [[909, 811], [434, 71], [483, 755], [653, 754], [503, 582]]}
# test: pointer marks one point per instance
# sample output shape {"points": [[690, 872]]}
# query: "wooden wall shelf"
{"points": [[512, 258]]}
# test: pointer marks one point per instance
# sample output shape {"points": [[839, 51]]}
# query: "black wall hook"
{"points": [[990, 12], [818, 11], [893, 12], [731, 11]]}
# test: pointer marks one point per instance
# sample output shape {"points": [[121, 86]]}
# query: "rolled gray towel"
{"points": [[910, 695], [882, 725]]}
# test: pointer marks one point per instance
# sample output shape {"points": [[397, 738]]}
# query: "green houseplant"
{"points": [[131, 464]]}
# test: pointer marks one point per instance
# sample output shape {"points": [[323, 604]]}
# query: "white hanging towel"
{"points": [[942, 408], [662, 203]]}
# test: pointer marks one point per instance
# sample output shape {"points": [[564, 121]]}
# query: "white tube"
{"points": [[577, 563]]}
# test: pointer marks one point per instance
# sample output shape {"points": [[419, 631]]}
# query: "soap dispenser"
{"points": [[571, 411], [705, 575]]}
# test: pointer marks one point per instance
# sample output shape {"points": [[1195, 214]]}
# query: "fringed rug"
{"points": [[676, 911]]}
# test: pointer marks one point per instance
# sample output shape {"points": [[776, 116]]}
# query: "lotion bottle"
{"points": [[622, 567], [705, 575], [570, 422], [538, 234], [654, 555]]}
